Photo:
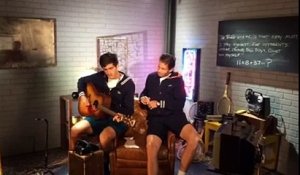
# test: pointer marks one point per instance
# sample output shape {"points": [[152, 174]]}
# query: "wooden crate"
{"points": [[270, 145]]}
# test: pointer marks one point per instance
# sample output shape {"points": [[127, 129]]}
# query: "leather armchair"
{"points": [[124, 161]]}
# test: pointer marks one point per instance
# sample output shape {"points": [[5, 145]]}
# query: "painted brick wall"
{"points": [[197, 27], [29, 93]]}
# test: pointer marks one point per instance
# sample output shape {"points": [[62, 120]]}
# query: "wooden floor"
{"points": [[28, 163], [195, 169], [21, 164], [58, 162], [0, 166]]}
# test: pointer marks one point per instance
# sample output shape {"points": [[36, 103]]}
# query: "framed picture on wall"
{"points": [[129, 47], [116, 45], [27, 42], [191, 72]]}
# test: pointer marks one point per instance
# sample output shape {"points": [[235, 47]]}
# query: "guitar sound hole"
{"points": [[96, 103]]}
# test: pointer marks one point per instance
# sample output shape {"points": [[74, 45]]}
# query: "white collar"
{"points": [[111, 83], [163, 78]]}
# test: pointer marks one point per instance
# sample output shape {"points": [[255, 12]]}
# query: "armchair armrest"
{"points": [[171, 141], [171, 148]]}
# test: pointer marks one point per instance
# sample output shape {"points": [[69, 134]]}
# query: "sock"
{"points": [[180, 172]]}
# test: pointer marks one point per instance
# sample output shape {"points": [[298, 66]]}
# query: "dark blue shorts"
{"points": [[160, 125], [99, 124]]}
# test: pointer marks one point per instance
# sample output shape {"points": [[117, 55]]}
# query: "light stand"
{"points": [[45, 169]]}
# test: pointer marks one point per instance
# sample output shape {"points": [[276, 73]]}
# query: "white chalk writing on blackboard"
{"points": [[254, 62], [236, 45], [263, 43]]}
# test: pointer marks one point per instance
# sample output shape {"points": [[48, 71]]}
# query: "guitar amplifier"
{"points": [[89, 164]]}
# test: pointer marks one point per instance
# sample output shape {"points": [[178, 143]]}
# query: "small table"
{"points": [[209, 126]]}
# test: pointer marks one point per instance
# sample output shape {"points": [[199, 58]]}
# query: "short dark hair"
{"points": [[108, 58], [168, 59]]}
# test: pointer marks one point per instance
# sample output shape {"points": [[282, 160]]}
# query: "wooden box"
{"points": [[90, 164]]}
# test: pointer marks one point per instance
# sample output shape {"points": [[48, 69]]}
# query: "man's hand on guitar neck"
{"points": [[118, 117], [121, 118]]}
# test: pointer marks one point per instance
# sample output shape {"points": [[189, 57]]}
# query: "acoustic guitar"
{"points": [[98, 105]]}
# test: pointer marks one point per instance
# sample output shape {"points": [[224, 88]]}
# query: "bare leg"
{"points": [[82, 127], [153, 145], [190, 135], [106, 137]]}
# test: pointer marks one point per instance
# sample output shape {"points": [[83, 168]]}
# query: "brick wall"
{"points": [[29, 93], [197, 27]]}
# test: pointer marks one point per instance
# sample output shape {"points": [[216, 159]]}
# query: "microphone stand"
{"points": [[45, 169]]}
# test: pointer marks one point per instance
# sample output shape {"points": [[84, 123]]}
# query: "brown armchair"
{"points": [[124, 161]]}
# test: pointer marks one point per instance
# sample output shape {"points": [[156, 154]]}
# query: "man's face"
{"points": [[163, 69], [111, 71]]}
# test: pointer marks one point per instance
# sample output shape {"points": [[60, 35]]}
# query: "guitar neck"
{"points": [[107, 111], [128, 121]]}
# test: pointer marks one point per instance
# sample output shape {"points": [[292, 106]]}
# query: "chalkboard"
{"points": [[266, 44]]}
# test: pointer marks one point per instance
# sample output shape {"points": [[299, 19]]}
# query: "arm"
{"points": [[128, 100], [145, 90], [123, 98], [84, 106], [127, 107], [144, 99], [82, 83]]}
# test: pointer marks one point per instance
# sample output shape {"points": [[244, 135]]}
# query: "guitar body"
{"points": [[97, 104], [95, 100]]}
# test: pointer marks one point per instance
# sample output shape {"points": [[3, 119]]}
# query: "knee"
{"points": [[149, 145], [74, 133], [152, 148], [107, 135], [105, 139], [193, 141]]}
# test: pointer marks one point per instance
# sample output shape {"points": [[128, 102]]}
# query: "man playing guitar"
{"points": [[120, 88]]}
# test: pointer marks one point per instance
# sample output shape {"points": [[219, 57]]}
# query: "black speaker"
{"points": [[205, 108], [237, 156]]}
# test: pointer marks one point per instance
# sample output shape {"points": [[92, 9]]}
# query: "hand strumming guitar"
{"points": [[87, 108], [90, 110]]}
